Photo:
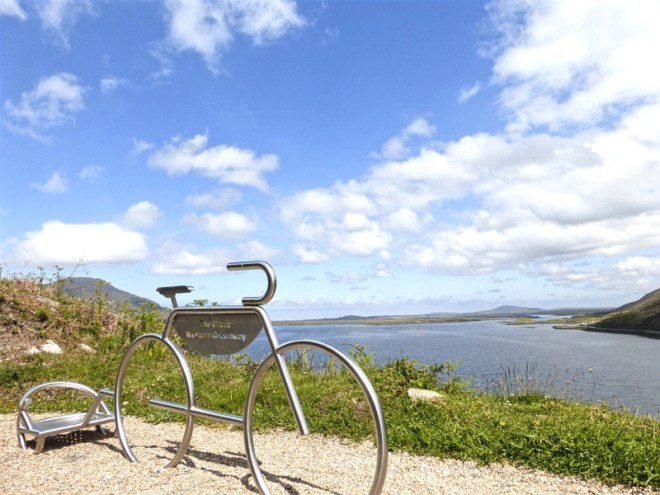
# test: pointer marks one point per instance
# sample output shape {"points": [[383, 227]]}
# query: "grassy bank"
{"points": [[527, 429], [568, 321]]}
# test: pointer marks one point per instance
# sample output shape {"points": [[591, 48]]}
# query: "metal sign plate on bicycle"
{"points": [[217, 332]]}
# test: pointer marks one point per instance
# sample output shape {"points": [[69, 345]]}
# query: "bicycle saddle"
{"points": [[174, 289]]}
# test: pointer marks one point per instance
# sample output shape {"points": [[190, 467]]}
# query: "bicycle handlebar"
{"points": [[270, 275]]}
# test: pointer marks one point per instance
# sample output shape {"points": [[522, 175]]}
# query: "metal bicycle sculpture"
{"points": [[228, 330]]}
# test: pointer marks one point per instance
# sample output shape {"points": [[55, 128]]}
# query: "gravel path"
{"points": [[86, 463]]}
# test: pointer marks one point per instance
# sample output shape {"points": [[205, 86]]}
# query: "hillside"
{"points": [[34, 313], [643, 314], [650, 298], [89, 288]]}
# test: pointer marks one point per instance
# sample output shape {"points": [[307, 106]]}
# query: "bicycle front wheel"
{"points": [[133, 389], [346, 451]]}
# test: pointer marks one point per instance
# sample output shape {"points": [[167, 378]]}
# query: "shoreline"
{"points": [[394, 320], [378, 321], [628, 331]]}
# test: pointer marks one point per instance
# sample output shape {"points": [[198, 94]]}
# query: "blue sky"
{"points": [[385, 157]]}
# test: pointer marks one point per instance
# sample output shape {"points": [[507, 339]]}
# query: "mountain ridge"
{"points": [[89, 287]]}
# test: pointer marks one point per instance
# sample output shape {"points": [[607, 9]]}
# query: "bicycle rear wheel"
{"points": [[338, 401]]}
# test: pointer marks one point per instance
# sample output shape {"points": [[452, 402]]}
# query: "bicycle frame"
{"points": [[252, 309], [226, 330], [272, 341]]}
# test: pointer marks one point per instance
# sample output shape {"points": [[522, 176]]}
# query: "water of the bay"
{"points": [[619, 369]]}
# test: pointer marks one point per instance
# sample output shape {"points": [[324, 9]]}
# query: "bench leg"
{"points": [[20, 436], [41, 441]]}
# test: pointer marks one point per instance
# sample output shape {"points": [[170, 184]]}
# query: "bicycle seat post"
{"points": [[172, 291]]}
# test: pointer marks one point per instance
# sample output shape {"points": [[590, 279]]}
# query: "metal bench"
{"points": [[97, 415]]}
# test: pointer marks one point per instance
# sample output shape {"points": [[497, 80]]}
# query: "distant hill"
{"points": [[643, 314], [522, 311], [446, 317], [595, 311], [508, 311], [87, 287]]}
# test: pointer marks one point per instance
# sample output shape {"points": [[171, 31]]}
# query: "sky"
{"points": [[385, 157]]}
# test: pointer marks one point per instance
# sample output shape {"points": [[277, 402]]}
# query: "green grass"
{"points": [[589, 441], [574, 320]]}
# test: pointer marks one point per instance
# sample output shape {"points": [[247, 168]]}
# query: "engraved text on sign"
{"points": [[217, 333]]}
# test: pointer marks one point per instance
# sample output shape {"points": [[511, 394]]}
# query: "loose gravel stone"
{"points": [[85, 462]]}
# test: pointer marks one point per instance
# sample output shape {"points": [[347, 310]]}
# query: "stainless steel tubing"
{"points": [[59, 424], [190, 396], [378, 479], [291, 394], [198, 412], [270, 275]]}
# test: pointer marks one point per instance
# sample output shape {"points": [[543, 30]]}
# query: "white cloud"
{"points": [[307, 254], [633, 274], [467, 93], [228, 164], [141, 215], [531, 197], [108, 84], [396, 147], [382, 271], [90, 172], [474, 250], [218, 200], [575, 63], [138, 146], [543, 196], [209, 27], [255, 250], [187, 260], [52, 103], [404, 220], [228, 224], [356, 235], [183, 262], [59, 16], [61, 243], [331, 202], [355, 217], [348, 277], [56, 184], [638, 266], [12, 8]]}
